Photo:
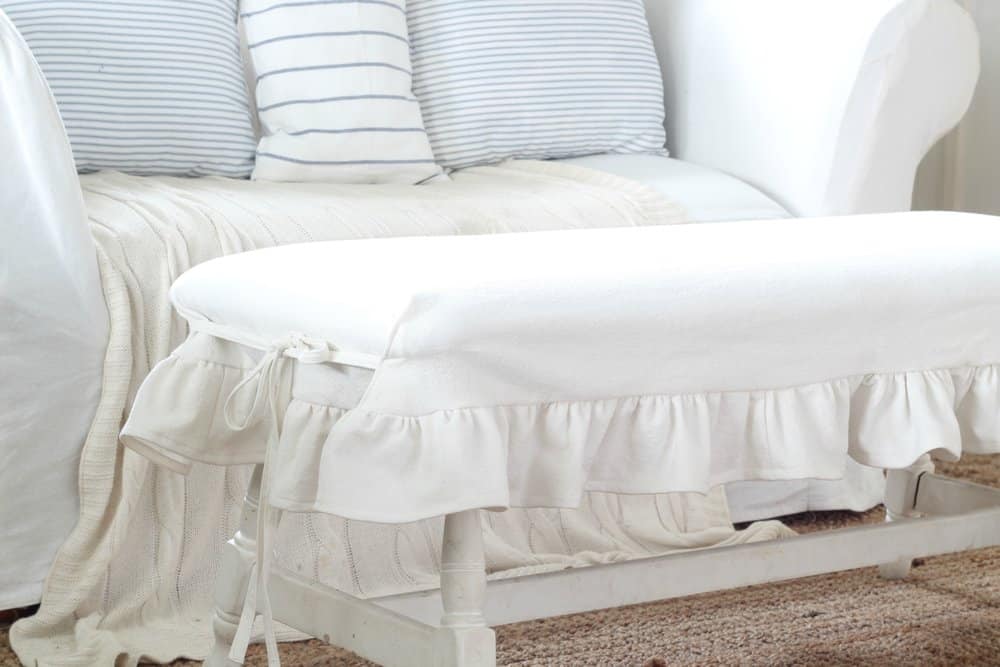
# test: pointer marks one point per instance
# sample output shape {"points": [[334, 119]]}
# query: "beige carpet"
{"points": [[948, 613]]}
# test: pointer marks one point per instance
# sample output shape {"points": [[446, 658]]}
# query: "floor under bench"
{"points": [[947, 613]]}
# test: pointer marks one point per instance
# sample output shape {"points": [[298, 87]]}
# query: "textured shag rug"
{"points": [[947, 613]]}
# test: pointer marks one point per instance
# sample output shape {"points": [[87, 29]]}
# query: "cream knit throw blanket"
{"points": [[134, 580]]}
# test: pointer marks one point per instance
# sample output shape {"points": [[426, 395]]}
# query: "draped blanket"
{"points": [[134, 580]]}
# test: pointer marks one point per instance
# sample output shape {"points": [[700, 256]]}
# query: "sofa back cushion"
{"points": [[537, 79], [144, 87], [334, 92]]}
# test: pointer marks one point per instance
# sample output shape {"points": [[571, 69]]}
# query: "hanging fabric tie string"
{"points": [[267, 381]]}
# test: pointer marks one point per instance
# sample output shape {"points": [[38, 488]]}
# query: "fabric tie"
{"points": [[267, 380]]}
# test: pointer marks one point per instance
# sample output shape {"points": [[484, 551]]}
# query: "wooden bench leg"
{"points": [[463, 639], [900, 498], [230, 589]]}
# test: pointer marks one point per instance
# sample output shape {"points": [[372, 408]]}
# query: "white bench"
{"points": [[525, 369]]}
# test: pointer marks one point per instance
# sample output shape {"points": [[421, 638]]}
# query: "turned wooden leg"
{"points": [[463, 640], [900, 497], [230, 588]]}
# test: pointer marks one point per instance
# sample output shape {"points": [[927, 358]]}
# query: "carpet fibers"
{"points": [[947, 613]]}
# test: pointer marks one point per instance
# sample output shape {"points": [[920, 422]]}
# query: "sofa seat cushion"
{"points": [[706, 195]]}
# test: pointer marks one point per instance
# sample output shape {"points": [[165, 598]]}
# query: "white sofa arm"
{"points": [[53, 324], [828, 106]]}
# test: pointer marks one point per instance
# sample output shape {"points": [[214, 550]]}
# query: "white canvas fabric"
{"points": [[145, 88], [648, 360], [535, 79], [334, 92]]}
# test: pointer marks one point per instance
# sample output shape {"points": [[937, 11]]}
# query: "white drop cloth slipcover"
{"points": [[526, 369]]}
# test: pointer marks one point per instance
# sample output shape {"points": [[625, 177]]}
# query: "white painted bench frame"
{"points": [[409, 629]]}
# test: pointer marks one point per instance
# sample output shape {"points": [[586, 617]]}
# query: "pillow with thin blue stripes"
{"points": [[145, 87], [537, 79], [334, 92]]}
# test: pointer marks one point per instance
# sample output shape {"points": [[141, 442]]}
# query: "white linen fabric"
{"points": [[535, 79], [134, 578], [649, 360], [334, 92], [145, 88], [53, 325]]}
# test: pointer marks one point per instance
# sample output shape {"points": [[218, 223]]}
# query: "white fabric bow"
{"points": [[267, 378]]}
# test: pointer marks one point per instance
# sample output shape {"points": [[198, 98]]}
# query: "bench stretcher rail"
{"points": [[931, 515]]}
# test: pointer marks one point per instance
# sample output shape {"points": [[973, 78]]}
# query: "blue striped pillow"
{"points": [[334, 92], [536, 79], [144, 87]]}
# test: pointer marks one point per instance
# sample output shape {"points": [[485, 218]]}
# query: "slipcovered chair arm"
{"points": [[828, 106], [53, 319]]}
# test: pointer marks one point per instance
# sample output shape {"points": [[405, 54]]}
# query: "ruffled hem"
{"points": [[388, 468]]}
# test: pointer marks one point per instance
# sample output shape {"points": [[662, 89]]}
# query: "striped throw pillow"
{"points": [[536, 79], [144, 87], [334, 92]]}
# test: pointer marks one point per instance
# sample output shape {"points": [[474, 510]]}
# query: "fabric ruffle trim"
{"points": [[379, 467]]}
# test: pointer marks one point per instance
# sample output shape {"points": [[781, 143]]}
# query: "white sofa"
{"points": [[774, 108]]}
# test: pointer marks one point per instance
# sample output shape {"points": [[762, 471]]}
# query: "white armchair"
{"points": [[826, 106]]}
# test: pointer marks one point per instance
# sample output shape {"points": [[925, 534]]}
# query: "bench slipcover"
{"points": [[524, 369]]}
